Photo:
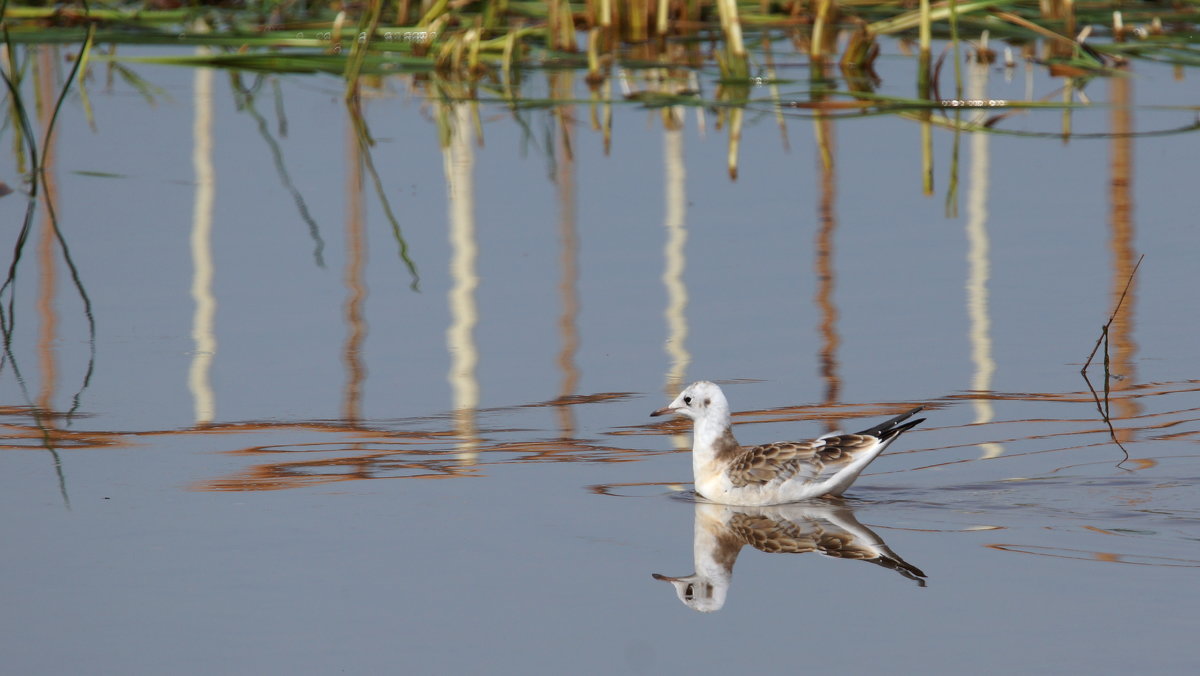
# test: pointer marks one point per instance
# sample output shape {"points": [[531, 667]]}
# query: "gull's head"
{"points": [[698, 592], [697, 401]]}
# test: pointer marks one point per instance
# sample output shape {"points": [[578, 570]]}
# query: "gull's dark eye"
{"points": [[690, 592], [687, 401]]}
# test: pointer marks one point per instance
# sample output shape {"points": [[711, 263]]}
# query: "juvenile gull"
{"points": [[772, 474]]}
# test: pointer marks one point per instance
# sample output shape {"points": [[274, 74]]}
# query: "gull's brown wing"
{"points": [[831, 531], [783, 460], [781, 535], [774, 536]]}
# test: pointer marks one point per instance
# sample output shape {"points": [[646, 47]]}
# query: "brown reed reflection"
{"points": [[1125, 256], [1097, 556], [47, 240], [356, 290], [353, 462], [561, 84], [823, 128], [382, 454], [1119, 346], [48, 248], [25, 427], [338, 451]]}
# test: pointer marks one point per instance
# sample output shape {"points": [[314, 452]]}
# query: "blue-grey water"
{"points": [[276, 456]]}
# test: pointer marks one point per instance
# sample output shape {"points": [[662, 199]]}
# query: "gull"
{"points": [[825, 527], [777, 473]]}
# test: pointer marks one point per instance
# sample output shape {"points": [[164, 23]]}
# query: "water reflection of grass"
{"points": [[33, 153], [674, 52], [245, 97]]}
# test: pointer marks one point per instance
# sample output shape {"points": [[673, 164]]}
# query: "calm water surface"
{"points": [[287, 460]]}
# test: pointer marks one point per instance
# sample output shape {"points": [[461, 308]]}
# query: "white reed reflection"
{"points": [[204, 317], [675, 191], [978, 266], [458, 160]]}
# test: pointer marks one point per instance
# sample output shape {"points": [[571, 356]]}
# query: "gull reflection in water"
{"points": [[825, 527]]}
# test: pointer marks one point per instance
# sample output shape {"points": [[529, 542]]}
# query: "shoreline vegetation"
{"points": [[475, 40]]}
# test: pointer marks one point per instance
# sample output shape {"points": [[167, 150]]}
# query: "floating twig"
{"points": [[1104, 409], [1104, 329]]}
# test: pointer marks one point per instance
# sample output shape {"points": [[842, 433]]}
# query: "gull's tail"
{"points": [[888, 430], [859, 452]]}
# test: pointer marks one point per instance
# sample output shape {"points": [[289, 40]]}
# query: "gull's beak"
{"points": [[662, 411], [666, 578]]}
